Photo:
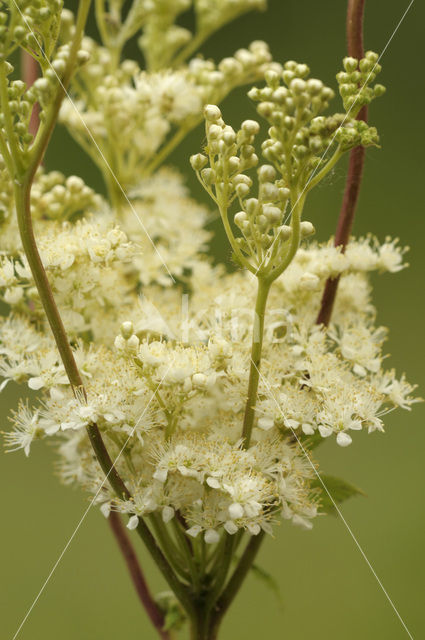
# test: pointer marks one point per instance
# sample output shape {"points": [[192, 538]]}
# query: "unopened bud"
{"points": [[212, 113]]}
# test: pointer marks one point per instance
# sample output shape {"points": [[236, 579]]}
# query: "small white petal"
{"points": [[302, 522], [36, 383], [236, 511], [211, 536], [265, 423], [291, 424], [133, 523], [105, 509], [213, 483], [325, 432], [4, 383], [361, 371], [307, 429], [167, 514], [194, 531], [356, 425], [161, 475], [343, 439], [230, 527], [254, 529]]}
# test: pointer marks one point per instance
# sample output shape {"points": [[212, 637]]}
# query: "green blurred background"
{"points": [[327, 588]]}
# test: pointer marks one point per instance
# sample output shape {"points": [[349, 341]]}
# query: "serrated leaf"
{"points": [[339, 489], [266, 578], [270, 582]]}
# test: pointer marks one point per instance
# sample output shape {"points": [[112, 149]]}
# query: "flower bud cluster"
{"points": [[354, 82], [261, 219], [87, 263], [212, 14], [20, 103], [58, 198], [21, 100], [357, 133], [298, 135], [187, 369], [6, 192], [19, 26], [162, 38], [140, 110], [215, 81]]}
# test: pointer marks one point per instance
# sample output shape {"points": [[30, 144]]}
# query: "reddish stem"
{"points": [[355, 13], [155, 614], [29, 76]]}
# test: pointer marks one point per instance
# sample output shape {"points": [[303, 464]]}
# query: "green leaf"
{"points": [[270, 582], [339, 489], [266, 578]]}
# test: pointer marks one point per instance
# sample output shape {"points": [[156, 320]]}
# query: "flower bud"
{"points": [[212, 113], [297, 86], [240, 218], [273, 214], [350, 64], [266, 173], [208, 176], [307, 229], [198, 161], [285, 232], [251, 127], [251, 206], [127, 330]]}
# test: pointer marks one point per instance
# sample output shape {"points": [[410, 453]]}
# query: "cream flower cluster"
{"points": [[174, 393], [163, 213], [79, 259], [165, 361], [139, 111]]}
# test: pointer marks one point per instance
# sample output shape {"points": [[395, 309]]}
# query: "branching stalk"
{"points": [[235, 583], [256, 349], [142, 589], [355, 13], [23, 180]]}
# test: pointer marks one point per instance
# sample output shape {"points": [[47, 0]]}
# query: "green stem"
{"points": [[296, 236], [200, 627], [22, 190], [318, 177], [184, 545], [100, 21], [235, 583], [256, 349], [228, 229], [169, 548], [223, 566]]}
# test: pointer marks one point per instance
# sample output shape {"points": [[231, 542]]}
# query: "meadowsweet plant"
{"points": [[184, 396]]}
